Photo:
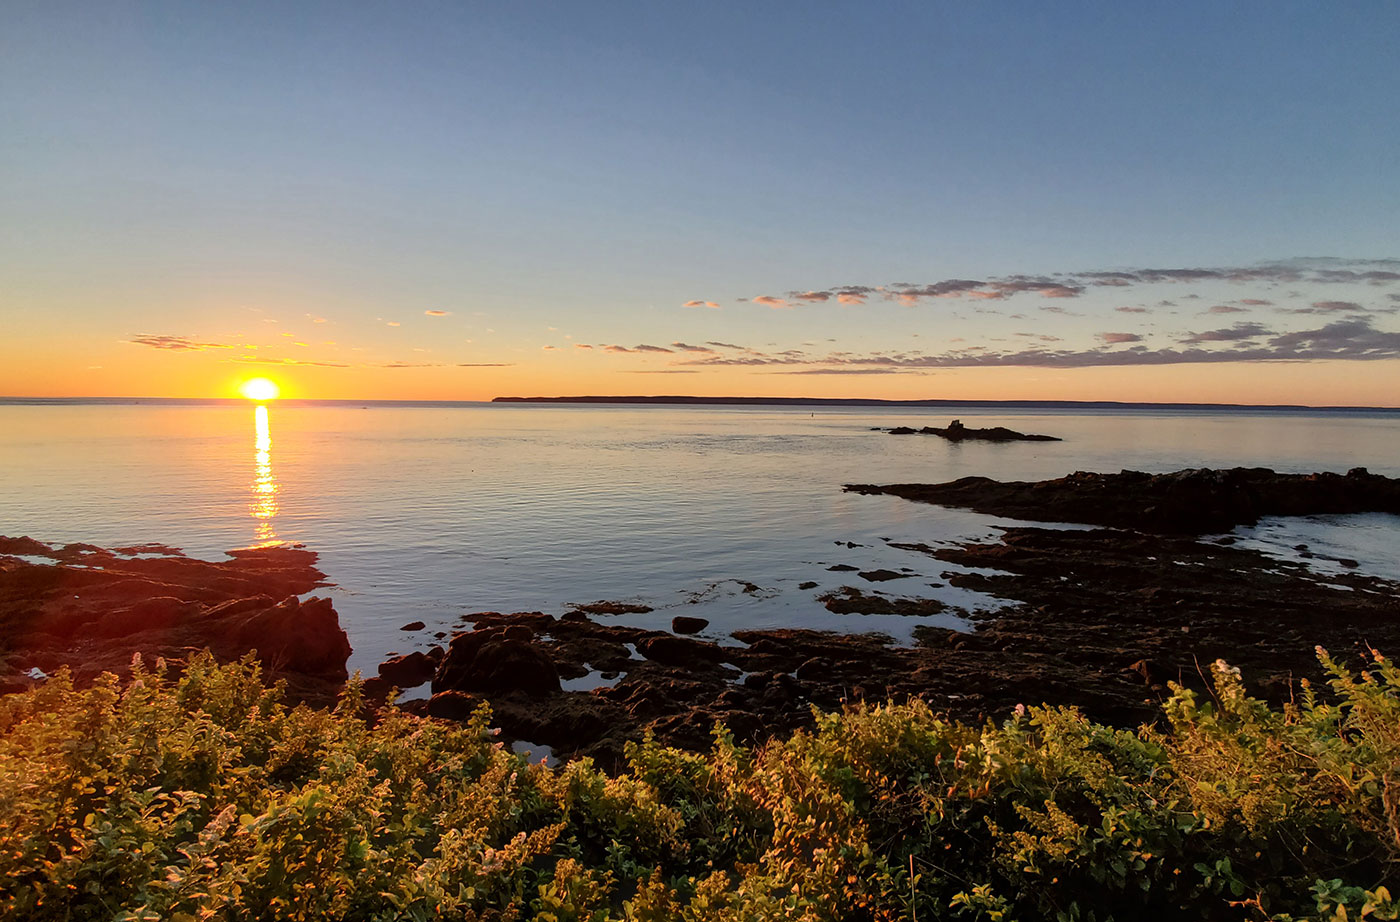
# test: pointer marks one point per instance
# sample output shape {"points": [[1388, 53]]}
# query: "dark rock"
{"points": [[409, 670], [678, 651], [1185, 502], [519, 632], [809, 584], [842, 568], [487, 661], [453, 705], [880, 576], [849, 600], [902, 430], [815, 669], [613, 608], [413, 626], [684, 624]]}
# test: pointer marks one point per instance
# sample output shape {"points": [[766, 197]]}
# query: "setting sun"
{"points": [[259, 389]]}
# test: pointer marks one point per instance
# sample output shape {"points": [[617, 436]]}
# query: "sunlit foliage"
{"points": [[206, 797]]}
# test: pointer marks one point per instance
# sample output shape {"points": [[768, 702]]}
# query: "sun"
{"points": [[259, 389]]}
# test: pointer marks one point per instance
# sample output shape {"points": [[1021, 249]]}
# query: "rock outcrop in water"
{"points": [[957, 432], [92, 609], [1185, 502]]}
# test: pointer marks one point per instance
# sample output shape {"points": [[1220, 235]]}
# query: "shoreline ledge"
{"points": [[1195, 501], [92, 609]]}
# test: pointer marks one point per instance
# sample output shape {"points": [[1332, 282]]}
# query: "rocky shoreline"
{"points": [[1198, 501], [92, 609], [1101, 618]]}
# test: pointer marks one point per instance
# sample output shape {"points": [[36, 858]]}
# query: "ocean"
{"points": [[425, 512]]}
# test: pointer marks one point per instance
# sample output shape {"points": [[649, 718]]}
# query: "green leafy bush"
{"points": [[206, 797]]}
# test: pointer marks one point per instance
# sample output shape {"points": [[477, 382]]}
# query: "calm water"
{"points": [[426, 513]]}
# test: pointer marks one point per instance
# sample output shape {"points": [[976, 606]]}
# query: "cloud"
{"points": [[1334, 306], [1131, 310], [1235, 333], [1074, 284], [770, 301], [1114, 339], [1226, 309], [641, 348], [1256, 302], [687, 347], [1344, 340], [548, 348], [391, 323], [256, 360], [724, 345], [849, 371], [485, 364], [582, 346], [174, 343], [710, 304], [314, 319], [662, 371], [438, 313]]}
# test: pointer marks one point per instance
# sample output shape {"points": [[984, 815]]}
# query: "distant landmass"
{"points": [[874, 402]]}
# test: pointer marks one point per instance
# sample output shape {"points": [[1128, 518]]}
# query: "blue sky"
{"points": [[170, 169]]}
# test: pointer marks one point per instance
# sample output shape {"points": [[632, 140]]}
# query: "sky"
{"points": [[1195, 201]]}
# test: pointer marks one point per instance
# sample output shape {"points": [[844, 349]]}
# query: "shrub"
{"points": [[206, 797]]}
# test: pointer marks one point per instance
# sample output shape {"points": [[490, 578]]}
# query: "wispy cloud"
{"points": [[258, 360], [710, 304], [1114, 339], [174, 343], [1344, 340], [1075, 284], [438, 313]]}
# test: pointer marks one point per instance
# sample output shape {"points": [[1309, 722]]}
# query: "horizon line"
{"points": [[692, 400]]}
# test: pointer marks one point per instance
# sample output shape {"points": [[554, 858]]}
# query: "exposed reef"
{"points": [[1101, 619], [1185, 502], [957, 432], [92, 609]]}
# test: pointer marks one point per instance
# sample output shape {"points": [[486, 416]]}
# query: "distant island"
{"points": [[875, 402]]}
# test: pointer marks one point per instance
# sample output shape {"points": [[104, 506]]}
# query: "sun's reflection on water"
{"points": [[264, 502]]}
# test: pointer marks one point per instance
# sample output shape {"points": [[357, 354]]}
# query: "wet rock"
{"points": [[413, 626], [453, 705], [849, 600], [409, 670], [843, 568], [602, 607], [487, 661], [1185, 502], [678, 651], [519, 632], [880, 576], [809, 584], [684, 624]]}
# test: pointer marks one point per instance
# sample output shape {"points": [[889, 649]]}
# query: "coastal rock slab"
{"points": [[1200, 501]]}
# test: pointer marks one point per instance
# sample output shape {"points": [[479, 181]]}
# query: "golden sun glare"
{"points": [[259, 389]]}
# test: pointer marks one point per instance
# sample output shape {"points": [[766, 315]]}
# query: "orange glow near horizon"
{"points": [[260, 389]]}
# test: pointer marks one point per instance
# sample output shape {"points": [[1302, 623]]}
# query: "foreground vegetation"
{"points": [[207, 798]]}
